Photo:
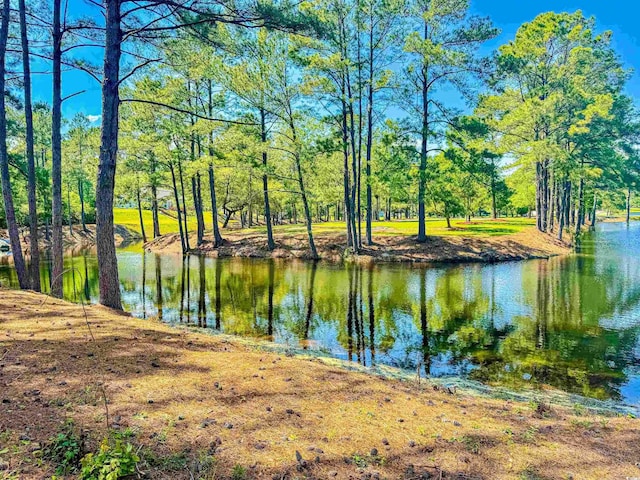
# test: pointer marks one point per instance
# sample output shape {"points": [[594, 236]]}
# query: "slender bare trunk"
{"points": [[154, 198], [369, 131], [56, 155], [217, 238], [580, 219], [184, 208], [347, 194], [31, 165], [628, 205], [354, 163], [307, 212], [265, 180], [139, 199], [197, 200], [69, 209], [7, 194], [177, 199], [107, 260], [422, 174], [83, 218]]}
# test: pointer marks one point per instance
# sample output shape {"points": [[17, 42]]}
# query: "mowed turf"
{"points": [[128, 217], [435, 226]]}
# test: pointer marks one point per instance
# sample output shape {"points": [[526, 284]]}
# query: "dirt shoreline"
{"points": [[80, 239], [528, 244], [185, 397]]}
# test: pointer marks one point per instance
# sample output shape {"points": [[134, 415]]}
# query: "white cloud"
{"points": [[93, 118]]}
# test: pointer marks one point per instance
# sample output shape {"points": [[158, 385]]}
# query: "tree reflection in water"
{"points": [[569, 322]]}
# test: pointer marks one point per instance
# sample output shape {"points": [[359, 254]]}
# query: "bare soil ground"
{"points": [[331, 246], [77, 238], [188, 396]]}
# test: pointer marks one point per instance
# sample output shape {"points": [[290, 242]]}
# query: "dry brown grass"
{"points": [[184, 392]]}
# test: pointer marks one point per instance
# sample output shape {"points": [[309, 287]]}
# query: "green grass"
{"points": [[479, 227], [129, 218], [435, 226]]}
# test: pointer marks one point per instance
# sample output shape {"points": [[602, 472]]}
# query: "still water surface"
{"points": [[570, 322]]}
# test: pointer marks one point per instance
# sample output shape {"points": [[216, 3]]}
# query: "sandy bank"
{"points": [[331, 247], [187, 396]]}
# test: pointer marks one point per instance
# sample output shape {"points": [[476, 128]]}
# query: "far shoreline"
{"points": [[525, 245]]}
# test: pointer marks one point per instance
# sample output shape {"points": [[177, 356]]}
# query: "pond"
{"points": [[570, 322]]}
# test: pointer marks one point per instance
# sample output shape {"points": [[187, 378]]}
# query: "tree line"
{"points": [[269, 113]]}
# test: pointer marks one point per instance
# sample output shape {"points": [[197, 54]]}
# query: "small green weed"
{"points": [[64, 450], [239, 473], [115, 459]]}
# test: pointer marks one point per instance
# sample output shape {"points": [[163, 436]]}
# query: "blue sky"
{"points": [[619, 16]]}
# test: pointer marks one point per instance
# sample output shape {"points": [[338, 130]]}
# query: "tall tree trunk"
{"points": [[197, 200], [83, 217], [358, 177], [177, 199], [144, 234], [201, 226], [69, 209], [56, 155], [184, 208], [494, 208], [567, 203], [628, 204], [562, 199], [347, 181], [369, 145], [217, 238], [539, 212], [303, 194], [580, 219], [107, 260], [354, 164], [154, 211], [307, 212], [347, 110], [595, 208], [422, 174], [154, 198], [265, 180], [7, 194], [31, 164]]}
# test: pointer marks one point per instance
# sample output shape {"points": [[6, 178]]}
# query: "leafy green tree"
{"points": [[442, 48]]}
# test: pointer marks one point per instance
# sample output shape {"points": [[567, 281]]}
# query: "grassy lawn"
{"points": [[128, 217], [435, 226]]}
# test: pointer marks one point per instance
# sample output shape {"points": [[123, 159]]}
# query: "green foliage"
{"points": [[64, 450], [239, 473], [115, 459]]}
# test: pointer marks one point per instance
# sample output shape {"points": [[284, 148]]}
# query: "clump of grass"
{"points": [[586, 424], [238, 473], [530, 435], [472, 444], [174, 462]]}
